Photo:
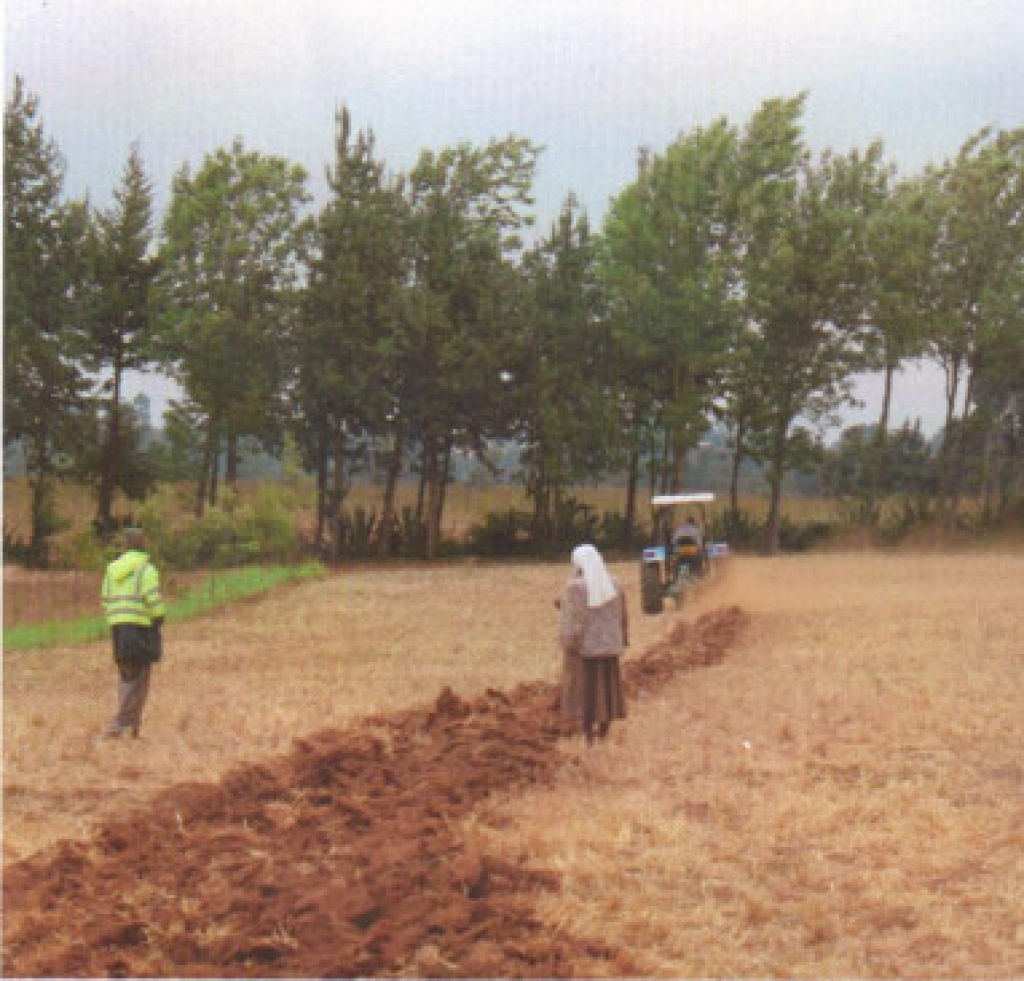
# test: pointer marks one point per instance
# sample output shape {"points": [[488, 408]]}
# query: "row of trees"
{"points": [[738, 278]]}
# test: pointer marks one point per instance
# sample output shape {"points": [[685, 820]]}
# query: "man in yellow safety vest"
{"points": [[134, 609]]}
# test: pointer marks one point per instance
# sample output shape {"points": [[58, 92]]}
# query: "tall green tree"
{"points": [[804, 226], [234, 242], [561, 379], [44, 386], [977, 268], [464, 216], [122, 271], [349, 373], [900, 248], [671, 263]]}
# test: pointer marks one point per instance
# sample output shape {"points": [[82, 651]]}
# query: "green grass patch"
{"points": [[220, 589]]}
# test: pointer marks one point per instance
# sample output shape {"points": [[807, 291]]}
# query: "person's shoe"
{"points": [[113, 732], [135, 732]]}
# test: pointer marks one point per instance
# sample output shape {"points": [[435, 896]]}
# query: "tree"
{"points": [[231, 267], [121, 274], [900, 243], [851, 469], [804, 278], [560, 380], [346, 341], [977, 287], [44, 386], [463, 218], [671, 264]]}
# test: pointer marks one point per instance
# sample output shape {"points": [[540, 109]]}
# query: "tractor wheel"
{"points": [[652, 599]]}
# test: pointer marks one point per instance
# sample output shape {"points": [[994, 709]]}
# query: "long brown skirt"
{"points": [[603, 700]]}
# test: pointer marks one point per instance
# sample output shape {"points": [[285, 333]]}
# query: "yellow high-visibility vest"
{"points": [[131, 590]]}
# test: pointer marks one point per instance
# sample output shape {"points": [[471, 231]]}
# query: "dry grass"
{"points": [[843, 796]]}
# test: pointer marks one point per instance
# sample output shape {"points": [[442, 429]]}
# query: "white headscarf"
{"points": [[600, 587]]}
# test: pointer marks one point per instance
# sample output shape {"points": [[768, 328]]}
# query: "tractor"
{"points": [[684, 555]]}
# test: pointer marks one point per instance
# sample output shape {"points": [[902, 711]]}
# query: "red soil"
{"points": [[343, 858]]}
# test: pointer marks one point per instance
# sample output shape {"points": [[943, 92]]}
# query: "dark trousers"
{"points": [[132, 691]]}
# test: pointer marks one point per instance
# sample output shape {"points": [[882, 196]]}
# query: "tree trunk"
{"points": [[878, 450], [557, 516], [960, 454], [679, 449], [444, 478], [1010, 473], [206, 467], [214, 472], [390, 492], [776, 473], [737, 462], [321, 495], [111, 464], [633, 479], [42, 487], [421, 490], [431, 478], [540, 492], [665, 462], [231, 469], [338, 490], [952, 370]]}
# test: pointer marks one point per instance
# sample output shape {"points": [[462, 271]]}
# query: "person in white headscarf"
{"points": [[593, 632]]}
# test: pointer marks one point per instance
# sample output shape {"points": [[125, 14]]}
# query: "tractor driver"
{"points": [[688, 531]]}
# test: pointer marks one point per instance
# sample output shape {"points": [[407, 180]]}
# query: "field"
{"points": [[822, 774]]}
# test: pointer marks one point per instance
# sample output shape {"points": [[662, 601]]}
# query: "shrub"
{"points": [[742, 531], [795, 537], [84, 552], [230, 534], [502, 533]]}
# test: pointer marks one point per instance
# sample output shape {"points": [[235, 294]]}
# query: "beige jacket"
{"points": [[601, 631]]}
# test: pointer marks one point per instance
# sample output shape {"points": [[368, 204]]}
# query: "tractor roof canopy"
{"points": [[667, 500]]}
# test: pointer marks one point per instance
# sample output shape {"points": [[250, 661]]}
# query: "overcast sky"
{"points": [[590, 80]]}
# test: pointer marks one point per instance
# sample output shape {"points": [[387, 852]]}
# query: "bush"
{"points": [[794, 537], [742, 531], [227, 535], [502, 533], [84, 552], [15, 548], [358, 533]]}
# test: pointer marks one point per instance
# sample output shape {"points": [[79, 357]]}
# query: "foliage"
{"points": [[502, 533], [566, 426], [231, 265], [977, 289], [744, 532], [861, 468], [464, 216], [670, 263], [404, 328], [513, 532], [82, 551], [44, 382], [228, 534], [348, 335], [804, 227], [117, 310]]}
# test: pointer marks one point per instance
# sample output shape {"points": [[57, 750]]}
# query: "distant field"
{"points": [[842, 795]]}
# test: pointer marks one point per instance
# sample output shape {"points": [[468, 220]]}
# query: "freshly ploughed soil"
{"points": [[343, 858]]}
